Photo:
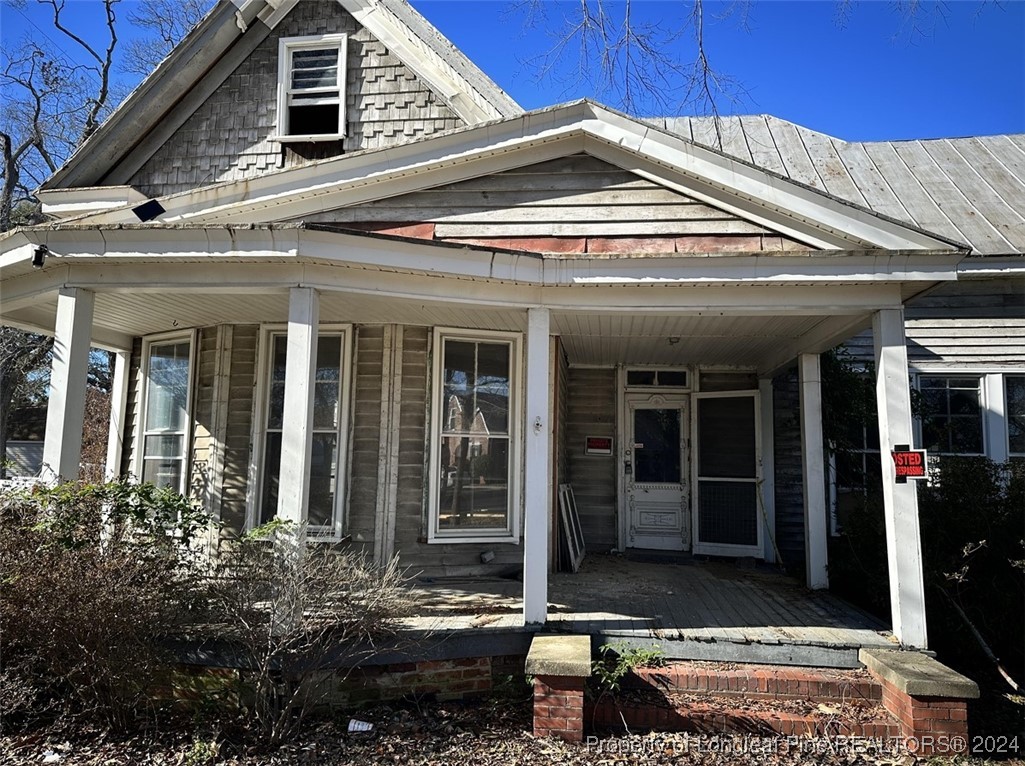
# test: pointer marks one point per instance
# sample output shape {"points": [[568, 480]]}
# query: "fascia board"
{"points": [[201, 48], [320, 185]]}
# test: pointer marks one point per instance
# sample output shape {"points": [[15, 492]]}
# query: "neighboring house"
{"points": [[339, 265]]}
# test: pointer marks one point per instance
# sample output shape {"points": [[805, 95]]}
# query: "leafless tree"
{"points": [[167, 22]]}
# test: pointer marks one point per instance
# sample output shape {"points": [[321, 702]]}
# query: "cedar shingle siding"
{"points": [[227, 138]]}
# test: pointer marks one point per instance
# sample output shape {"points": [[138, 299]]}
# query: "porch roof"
{"points": [[755, 310]]}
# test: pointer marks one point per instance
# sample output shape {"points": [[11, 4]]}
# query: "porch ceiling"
{"points": [[748, 341]]}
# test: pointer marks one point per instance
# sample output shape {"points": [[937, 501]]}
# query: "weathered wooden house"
{"points": [[350, 281]]}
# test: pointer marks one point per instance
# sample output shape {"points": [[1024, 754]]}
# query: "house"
{"points": [[349, 281]]}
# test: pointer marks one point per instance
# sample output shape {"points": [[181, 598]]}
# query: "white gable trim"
{"points": [[800, 212]]}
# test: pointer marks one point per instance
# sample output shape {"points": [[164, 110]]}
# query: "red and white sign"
{"points": [[910, 463], [598, 445]]}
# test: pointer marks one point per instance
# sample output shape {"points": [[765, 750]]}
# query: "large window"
{"points": [[952, 414], [324, 514], [311, 88], [474, 449], [166, 419]]}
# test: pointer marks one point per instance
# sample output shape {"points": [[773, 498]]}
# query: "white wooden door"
{"points": [[655, 469]]}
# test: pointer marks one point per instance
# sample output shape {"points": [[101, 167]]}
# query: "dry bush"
{"points": [[301, 616], [94, 577]]}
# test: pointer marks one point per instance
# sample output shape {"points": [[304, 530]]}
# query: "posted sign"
{"points": [[597, 445], [909, 463]]}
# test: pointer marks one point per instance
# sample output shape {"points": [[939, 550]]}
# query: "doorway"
{"points": [[655, 464]]}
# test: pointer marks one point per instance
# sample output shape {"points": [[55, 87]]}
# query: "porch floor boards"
{"points": [[692, 609]]}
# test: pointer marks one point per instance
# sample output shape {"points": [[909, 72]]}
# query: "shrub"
{"points": [[94, 577], [301, 617]]}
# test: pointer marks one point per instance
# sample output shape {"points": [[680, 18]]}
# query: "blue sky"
{"points": [[961, 73]]}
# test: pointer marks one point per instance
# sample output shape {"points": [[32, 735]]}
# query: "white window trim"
{"points": [[1005, 411], [254, 496], [511, 534], [138, 454], [285, 46], [757, 549]]}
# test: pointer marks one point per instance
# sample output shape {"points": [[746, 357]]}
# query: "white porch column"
{"points": [[900, 501], [813, 463], [118, 405], [65, 409], [297, 424], [536, 494], [767, 486]]}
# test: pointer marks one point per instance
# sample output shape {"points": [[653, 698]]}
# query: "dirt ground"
{"points": [[490, 732]]}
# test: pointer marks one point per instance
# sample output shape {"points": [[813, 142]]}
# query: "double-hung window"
{"points": [[311, 88], [952, 414], [330, 397], [475, 444], [163, 454]]}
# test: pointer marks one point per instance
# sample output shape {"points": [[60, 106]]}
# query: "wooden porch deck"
{"points": [[690, 608]]}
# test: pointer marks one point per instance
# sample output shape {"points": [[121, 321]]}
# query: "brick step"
{"points": [[688, 714], [759, 682]]}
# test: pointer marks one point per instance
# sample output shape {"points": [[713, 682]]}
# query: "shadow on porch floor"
{"points": [[692, 609]]}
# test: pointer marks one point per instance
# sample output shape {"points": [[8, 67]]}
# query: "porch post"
{"points": [[297, 425], [536, 494], [767, 486], [118, 406], [65, 409], [900, 501], [813, 463]]}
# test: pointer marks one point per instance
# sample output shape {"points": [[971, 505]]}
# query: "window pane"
{"points": [[276, 391], [657, 446], [165, 445], [476, 387], [271, 472], [322, 479], [1015, 389], [167, 391], [314, 120], [952, 420], [640, 377], [329, 381], [163, 472], [672, 378], [493, 388], [474, 486], [315, 68], [726, 437]]}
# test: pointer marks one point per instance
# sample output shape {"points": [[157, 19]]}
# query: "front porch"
{"points": [[691, 608]]}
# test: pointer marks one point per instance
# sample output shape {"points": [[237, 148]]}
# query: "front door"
{"points": [[655, 469]]}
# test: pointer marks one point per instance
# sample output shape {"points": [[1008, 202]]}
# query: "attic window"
{"points": [[311, 88]]}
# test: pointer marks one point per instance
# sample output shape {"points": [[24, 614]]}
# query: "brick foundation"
{"points": [[932, 725], [559, 707]]}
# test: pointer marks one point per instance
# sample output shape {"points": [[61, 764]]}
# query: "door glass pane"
{"points": [[474, 482], [657, 446], [726, 437], [167, 391]]}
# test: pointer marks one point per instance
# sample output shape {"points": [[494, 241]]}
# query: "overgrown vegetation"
{"points": [[617, 660], [93, 577], [972, 515], [102, 581], [301, 617]]}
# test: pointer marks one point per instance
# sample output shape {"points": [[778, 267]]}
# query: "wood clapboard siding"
{"points": [[591, 411], [973, 323], [239, 427], [411, 515], [366, 432], [569, 197], [132, 403]]}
